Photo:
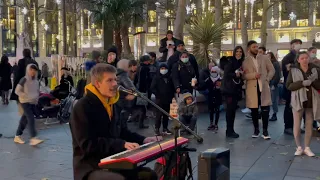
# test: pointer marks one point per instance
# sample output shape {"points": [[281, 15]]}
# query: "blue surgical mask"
{"points": [[185, 60], [163, 71]]}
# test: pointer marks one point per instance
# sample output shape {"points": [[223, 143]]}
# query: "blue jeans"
{"points": [[27, 118], [275, 99]]}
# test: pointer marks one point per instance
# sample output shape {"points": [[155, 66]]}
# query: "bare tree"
{"points": [[244, 25], [180, 19]]}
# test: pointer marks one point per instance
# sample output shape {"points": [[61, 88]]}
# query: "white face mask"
{"points": [[163, 71], [185, 60], [297, 47], [214, 74], [312, 55]]}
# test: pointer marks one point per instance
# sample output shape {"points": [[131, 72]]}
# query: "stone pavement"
{"points": [[251, 159]]}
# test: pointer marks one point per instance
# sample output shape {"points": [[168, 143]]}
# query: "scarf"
{"points": [[217, 70], [107, 103]]}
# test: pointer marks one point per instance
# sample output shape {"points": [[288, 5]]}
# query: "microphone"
{"points": [[128, 91]]}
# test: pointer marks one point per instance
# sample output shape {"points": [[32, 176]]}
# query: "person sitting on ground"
{"points": [[28, 91], [188, 111], [97, 131]]}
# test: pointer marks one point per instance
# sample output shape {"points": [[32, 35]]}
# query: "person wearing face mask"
{"points": [[232, 88], [287, 61], [210, 79], [176, 57], [312, 51], [182, 74], [162, 87], [258, 72]]}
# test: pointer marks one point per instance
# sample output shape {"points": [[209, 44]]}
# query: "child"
{"points": [[162, 87], [28, 91], [188, 111], [213, 84]]}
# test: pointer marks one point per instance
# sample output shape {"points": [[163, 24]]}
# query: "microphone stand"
{"points": [[176, 127]]}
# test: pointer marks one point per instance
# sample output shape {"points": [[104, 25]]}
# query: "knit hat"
{"points": [[163, 65], [95, 55], [113, 49], [216, 69], [187, 95], [144, 58]]}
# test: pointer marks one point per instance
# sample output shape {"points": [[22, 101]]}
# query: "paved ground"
{"points": [[251, 159]]}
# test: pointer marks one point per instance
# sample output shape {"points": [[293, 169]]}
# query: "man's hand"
{"points": [[131, 146], [258, 75], [130, 97], [152, 139], [178, 90]]}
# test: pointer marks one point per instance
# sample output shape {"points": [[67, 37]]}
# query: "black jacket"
{"points": [[181, 76], [5, 77], [288, 59], [163, 48], [162, 87], [205, 83], [125, 81], [176, 57], [276, 78], [231, 84], [21, 72], [142, 78], [95, 136]]}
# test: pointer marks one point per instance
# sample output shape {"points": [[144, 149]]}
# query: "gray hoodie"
{"points": [[28, 88]]}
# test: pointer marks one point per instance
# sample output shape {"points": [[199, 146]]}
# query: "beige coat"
{"points": [[267, 72]]}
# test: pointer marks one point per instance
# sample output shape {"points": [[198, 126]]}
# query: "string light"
{"points": [[273, 21], [260, 12], [292, 16], [166, 14], [58, 1], [24, 10], [46, 27]]}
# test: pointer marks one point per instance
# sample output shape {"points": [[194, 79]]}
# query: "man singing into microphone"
{"points": [[97, 131]]}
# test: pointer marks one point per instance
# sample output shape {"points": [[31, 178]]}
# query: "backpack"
{"points": [[165, 166]]}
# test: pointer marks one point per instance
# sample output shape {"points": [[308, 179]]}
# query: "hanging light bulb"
{"points": [[24, 10], [46, 27], [166, 14], [292, 16]]}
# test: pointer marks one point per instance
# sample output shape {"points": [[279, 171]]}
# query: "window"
{"points": [[257, 37], [239, 39], [302, 35], [188, 40], [152, 41], [226, 53], [257, 24], [139, 29], [152, 29], [285, 23], [302, 22], [281, 53], [317, 22], [226, 40], [152, 16], [283, 37]]}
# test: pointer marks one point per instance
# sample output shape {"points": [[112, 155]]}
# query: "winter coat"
{"points": [[142, 78], [21, 72], [125, 81], [94, 135], [162, 87], [277, 75], [188, 110], [45, 71], [231, 84], [182, 74], [176, 58], [163, 48], [266, 70], [5, 77], [215, 96]]}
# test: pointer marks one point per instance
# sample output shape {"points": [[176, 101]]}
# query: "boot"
{"points": [[274, 117]]}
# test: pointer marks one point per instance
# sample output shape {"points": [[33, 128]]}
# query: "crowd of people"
{"points": [[256, 74]]}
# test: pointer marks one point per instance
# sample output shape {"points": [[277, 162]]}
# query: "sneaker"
{"points": [[35, 141], [167, 132], [256, 133], [246, 111], [211, 127], [19, 140], [288, 131], [273, 118], [249, 116], [157, 132], [299, 151], [216, 128], [265, 135], [308, 152]]}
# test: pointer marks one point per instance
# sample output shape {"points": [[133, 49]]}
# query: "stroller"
{"points": [[56, 110]]}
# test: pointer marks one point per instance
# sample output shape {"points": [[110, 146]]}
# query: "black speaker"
{"points": [[214, 164]]}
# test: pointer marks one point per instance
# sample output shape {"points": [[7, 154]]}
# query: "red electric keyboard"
{"points": [[132, 159]]}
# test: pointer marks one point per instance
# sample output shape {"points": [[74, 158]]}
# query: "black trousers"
{"points": [[214, 111], [160, 115], [232, 103], [46, 81], [264, 113], [137, 174]]}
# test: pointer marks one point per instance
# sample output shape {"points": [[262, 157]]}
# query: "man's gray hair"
{"points": [[98, 70], [123, 64]]}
